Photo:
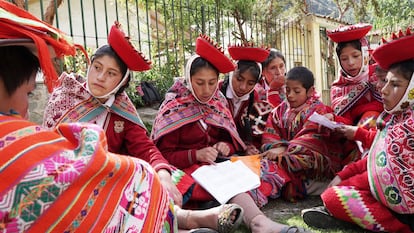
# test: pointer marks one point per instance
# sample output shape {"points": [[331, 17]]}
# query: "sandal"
{"points": [[294, 229], [225, 223]]}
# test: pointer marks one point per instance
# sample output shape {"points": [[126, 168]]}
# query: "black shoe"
{"points": [[318, 217]]}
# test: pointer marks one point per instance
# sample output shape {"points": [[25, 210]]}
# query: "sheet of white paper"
{"points": [[322, 120], [226, 179]]}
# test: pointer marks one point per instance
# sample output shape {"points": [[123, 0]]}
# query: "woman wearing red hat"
{"points": [[194, 126], [375, 192], [354, 98], [101, 100], [244, 101]]}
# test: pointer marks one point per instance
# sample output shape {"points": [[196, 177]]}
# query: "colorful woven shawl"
{"points": [[66, 181], [390, 163], [180, 108], [345, 93], [309, 153], [71, 102], [307, 146]]}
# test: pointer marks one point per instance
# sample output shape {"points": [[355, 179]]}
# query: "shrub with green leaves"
{"points": [[161, 77]]}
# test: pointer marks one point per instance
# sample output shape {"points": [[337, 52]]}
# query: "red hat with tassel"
{"points": [[19, 27]]}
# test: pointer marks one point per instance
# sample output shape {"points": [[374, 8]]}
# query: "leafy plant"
{"points": [[161, 76], [78, 63]]}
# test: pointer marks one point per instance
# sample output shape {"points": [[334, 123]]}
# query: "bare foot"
{"points": [[263, 224]]}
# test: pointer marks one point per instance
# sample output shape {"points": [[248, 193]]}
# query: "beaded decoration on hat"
{"points": [[349, 32], [209, 50], [248, 52], [135, 60], [398, 49]]}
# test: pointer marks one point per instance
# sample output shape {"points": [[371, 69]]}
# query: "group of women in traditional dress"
{"points": [[65, 175], [375, 192], [72, 180]]}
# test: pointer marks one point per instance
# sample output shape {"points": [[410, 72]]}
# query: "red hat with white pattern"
{"points": [[209, 50], [349, 32], [248, 52]]}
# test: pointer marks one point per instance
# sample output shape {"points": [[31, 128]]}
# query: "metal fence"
{"points": [[165, 30]]}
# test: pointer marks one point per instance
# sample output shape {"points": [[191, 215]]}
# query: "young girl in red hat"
{"points": [[375, 192], [246, 107], [101, 100], [354, 98], [244, 101]]}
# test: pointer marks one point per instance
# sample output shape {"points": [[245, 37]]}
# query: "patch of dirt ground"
{"points": [[281, 209]]}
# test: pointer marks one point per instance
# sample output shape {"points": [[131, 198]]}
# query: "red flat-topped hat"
{"points": [[248, 52], [398, 49], [135, 60], [209, 50], [349, 32]]}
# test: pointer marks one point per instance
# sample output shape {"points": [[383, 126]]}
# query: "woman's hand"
{"points": [[273, 153], [252, 150], [335, 181], [348, 131], [166, 182], [207, 154], [222, 148]]}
